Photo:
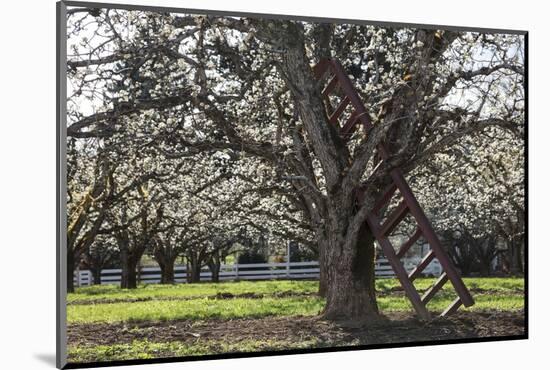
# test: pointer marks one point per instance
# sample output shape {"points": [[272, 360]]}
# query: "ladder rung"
{"points": [[330, 87], [422, 265], [431, 237], [452, 307], [435, 288], [349, 125], [343, 104], [347, 88], [400, 272], [395, 218], [388, 193], [409, 243]]}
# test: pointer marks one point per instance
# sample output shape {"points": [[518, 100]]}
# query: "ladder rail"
{"points": [[409, 243], [399, 270], [432, 238]]}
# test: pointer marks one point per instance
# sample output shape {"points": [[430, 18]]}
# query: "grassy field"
{"points": [[158, 291], [152, 305]]}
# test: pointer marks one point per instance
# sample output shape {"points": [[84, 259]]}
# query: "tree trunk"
{"points": [[128, 279], [187, 270], [215, 269], [96, 274], [350, 290], [521, 256], [195, 266], [348, 258], [516, 258], [323, 282], [214, 265], [70, 270], [195, 274], [167, 272], [128, 263]]}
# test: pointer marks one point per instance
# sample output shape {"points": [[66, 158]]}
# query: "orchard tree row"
{"points": [[188, 132]]}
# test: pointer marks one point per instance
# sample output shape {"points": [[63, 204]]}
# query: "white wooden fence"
{"points": [[251, 271]]}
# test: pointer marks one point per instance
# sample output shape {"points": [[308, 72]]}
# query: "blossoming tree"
{"points": [[199, 85]]}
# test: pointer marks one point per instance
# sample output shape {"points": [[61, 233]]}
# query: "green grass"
{"points": [[195, 309], [158, 291], [505, 285], [489, 294], [105, 304], [506, 302], [146, 350]]}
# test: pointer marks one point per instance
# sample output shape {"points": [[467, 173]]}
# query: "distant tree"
{"points": [[167, 248], [102, 254]]}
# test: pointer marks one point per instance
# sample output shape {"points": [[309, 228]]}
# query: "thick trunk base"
{"points": [[323, 275], [214, 268], [195, 276], [129, 275], [167, 274], [350, 290]]}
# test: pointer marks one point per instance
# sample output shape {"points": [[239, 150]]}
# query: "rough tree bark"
{"points": [[350, 289], [323, 276], [165, 254], [129, 274], [80, 238], [167, 272], [486, 254], [194, 263], [70, 270], [515, 258], [128, 262], [128, 279], [214, 265]]}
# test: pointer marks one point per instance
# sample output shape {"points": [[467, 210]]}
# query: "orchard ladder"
{"points": [[382, 229]]}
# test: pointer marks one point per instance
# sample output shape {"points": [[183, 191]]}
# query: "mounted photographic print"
{"points": [[234, 185]]}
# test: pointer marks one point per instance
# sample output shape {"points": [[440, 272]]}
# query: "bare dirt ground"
{"points": [[398, 328]]}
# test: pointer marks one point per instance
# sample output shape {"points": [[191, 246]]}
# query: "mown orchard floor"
{"points": [[203, 319]]}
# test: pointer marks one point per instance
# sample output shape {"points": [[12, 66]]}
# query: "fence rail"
{"points": [[252, 271]]}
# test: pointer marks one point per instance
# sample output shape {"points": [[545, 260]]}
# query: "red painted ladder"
{"points": [[333, 70]]}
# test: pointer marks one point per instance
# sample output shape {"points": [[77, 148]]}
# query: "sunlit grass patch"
{"points": [[159, 291], [195, 309], [201, 303], [444, 299]]}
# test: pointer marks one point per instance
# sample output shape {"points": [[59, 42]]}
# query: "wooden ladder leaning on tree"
{"points": [[332, 70]]}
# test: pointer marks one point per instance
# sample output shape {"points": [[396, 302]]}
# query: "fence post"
{"points": [[236, 271]]}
